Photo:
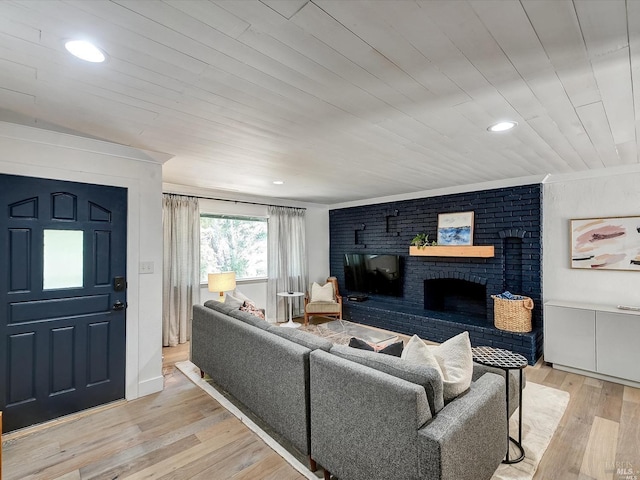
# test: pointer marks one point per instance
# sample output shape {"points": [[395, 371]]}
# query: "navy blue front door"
{"points": [[62, 297]]}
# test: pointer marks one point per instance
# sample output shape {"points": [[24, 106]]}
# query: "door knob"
{"points": [[119, 305]]}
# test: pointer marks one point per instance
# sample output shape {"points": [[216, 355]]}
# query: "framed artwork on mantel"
{"points": [[455, 228], [611, 243]]}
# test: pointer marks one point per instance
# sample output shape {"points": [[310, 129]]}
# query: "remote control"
{"points": [[627, 307]]}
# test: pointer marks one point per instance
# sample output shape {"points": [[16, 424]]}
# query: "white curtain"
{"points": [[287, 265], [181, 267]]}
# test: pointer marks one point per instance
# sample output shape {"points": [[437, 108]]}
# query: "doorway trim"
{"points": [[80, 159]]}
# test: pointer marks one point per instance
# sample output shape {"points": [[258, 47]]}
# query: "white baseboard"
{"points": [[599, 376], [150, 386]]}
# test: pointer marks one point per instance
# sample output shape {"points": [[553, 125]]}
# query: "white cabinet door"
{"points": [[618, 345], [570, 337]]}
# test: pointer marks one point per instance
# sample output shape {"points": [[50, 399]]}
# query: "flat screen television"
{"points": [[374, 274]]}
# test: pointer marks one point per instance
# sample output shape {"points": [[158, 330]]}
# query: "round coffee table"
{"points": [[505, 360]]}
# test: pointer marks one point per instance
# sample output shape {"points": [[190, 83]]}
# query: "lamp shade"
{"points": [[222, 282]]}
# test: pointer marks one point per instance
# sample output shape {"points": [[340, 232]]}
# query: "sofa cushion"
{"points": [[453, 357], [250, 319], [322, 293], [222, 307], [394, 349], [306, 339], [323, 307], [232, 311], [423, 375]]}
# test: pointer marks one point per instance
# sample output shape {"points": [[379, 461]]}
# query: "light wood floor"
{"points": [[599, 435], [157, 437]]}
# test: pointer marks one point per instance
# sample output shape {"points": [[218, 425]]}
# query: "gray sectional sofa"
{"points": [[386, 421], [359, 414], [262, 365]]}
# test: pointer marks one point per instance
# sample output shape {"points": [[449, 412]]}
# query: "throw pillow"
{"points": [[251, 308], [417, 351], [233, 301], [394, 349], [456, 362], [322, 293], [453, 359], [241, 296]]}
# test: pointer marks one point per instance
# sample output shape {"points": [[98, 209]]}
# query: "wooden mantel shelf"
{"points": [[479, 251]]}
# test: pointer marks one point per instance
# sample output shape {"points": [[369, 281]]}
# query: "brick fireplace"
{"points": [[442, 296]]}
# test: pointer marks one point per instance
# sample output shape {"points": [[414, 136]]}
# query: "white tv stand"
{"points": [[600, 341]]}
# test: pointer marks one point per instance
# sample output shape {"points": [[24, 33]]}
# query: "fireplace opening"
{"points": [[456, 296]]}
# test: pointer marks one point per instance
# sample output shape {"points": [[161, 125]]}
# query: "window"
{"points": [[236, 244], [63, 253]]}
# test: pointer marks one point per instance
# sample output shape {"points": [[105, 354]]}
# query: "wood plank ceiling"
{"points": [[341, 100]]}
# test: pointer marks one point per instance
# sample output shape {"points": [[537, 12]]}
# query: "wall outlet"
{"points": [[146, 267]]}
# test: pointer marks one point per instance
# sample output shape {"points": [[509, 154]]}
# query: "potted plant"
{"points": [[422, 240]]}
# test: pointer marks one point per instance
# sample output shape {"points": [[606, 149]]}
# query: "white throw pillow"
{"points": [[242, 297], [456, 363], [322, 293], [233, 301], [416, 351], [452, 359]]}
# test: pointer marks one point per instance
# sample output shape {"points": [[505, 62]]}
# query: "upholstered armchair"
{"points": [[323, 300]]}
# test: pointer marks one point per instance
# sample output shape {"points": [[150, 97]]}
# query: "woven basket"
{"points": [[512, 315]]}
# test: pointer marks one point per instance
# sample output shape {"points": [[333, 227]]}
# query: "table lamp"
{"points": [[222, 282]]}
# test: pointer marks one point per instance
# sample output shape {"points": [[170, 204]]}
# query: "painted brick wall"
{"points": [[507, 218]]}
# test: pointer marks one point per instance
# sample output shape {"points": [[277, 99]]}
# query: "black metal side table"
{"points": [[505, 360]]}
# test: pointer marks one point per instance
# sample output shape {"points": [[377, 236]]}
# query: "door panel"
{"points": [[62, 344], [62, 354], [20, 312], [21, 353], [19, 248]]}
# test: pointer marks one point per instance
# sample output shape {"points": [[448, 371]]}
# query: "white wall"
{"points": [[317, 231], [41, 153], [607, 193]]}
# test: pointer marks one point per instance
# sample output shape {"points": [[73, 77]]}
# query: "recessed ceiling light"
{"points": [[85, 50], [278, 182], [502, 126]]}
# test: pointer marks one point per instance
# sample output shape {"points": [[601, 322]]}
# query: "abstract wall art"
{"points": [[606, 243], [455, 228]]}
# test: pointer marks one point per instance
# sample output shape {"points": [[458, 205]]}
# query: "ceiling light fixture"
{"points": [[85, 50], [502, 126], [278, 182]]}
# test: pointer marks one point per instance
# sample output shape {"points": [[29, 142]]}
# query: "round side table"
{"points": [[505, 360], [290, 296]]}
